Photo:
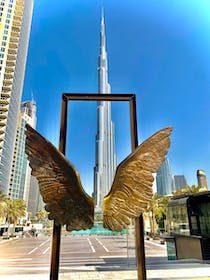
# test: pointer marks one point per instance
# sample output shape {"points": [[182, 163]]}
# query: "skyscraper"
{"points": [[164, 179], [20, 171], [179, 182], [15, 22], [105, 164], [35, 202], [202, 182]]}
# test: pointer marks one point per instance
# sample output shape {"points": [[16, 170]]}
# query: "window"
{"points": [[5, 31], [1, 55], [3, 44], [178, 219], [8, 16], [4, 37], [7, 21], [2, 49], [6, 26], [9, 11]]}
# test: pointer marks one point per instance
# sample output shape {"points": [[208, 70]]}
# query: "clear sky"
{"points": [[159, 50]]}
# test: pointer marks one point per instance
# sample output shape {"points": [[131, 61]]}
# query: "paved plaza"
{"points": [[97, 258]]}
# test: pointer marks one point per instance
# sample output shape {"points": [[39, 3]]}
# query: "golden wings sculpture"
{"points": [[67, 202]]}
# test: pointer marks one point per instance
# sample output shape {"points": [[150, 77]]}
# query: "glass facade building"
{"points": [[179, 182], [20, 171], [15, 23], [164, 179]]}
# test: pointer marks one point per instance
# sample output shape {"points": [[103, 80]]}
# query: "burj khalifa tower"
{"points": [[105, 162]]}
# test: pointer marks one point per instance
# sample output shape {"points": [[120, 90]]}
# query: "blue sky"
{"points": [[159, 50]]}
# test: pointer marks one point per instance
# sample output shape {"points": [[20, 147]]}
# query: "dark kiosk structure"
{"points": [[188, 226]]}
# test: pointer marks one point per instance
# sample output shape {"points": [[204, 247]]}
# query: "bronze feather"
{"points": [[131, 190], [59, 184]]}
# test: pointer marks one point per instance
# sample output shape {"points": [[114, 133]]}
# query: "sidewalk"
{"points": [[174, 270]]}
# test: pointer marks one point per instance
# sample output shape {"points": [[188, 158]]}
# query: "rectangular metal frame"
{"points": [[131, 98]]}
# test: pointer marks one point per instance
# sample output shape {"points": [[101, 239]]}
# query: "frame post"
{"points": [[139, 223], [55, 255]]}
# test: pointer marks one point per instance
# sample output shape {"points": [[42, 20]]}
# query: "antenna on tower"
{"points": [[32, 97], [102, 12]]}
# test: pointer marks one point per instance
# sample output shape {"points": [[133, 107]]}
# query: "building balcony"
{"points": [[9, 69], [15, 34], [5, 95], [18, 13], [19, 6], [7, 83], [14, 40], [10, 63], [13, 46], [11, 57], [17, 18], [6, 88], [15, 28], [8, 75], [12, 52], [4, 101], [3, 115], [16, 22], [4, 108], [20, 3], [8, 78], [2, 124], [1, 131]]}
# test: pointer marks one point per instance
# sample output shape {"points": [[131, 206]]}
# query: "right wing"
{"points": [[131, 190], [59, 184]]}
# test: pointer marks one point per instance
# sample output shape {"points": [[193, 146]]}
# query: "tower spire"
{"points": [[102, 15], [103, 85]]}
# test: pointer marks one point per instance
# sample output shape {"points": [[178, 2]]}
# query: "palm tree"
{"points": [[3, 205], [153, 204], [15, 210], [156, 212], [160, 211]]}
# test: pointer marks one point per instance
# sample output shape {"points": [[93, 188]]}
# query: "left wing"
{"points": [[59, 183], [131, 190]]}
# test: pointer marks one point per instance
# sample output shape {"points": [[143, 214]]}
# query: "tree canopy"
{"points": [[12, 209], [188, 190]]}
